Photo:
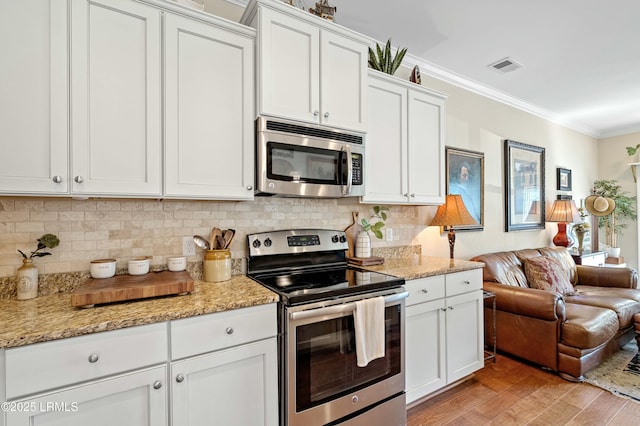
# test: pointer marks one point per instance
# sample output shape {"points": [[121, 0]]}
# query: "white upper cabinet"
{"points": [[115, 98], [404, 163], [209, 113], [309, 69], [33, 97]]}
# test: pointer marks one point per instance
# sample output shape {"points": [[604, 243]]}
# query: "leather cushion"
{"points": [[625, 309], [503, 267], [547, 273], [588, 326]]}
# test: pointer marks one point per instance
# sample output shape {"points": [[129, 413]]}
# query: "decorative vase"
{"points": [[27, 280], [363, 244], [580, 237]]}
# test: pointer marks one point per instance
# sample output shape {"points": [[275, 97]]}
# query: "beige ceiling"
{"points": [[581, 57]]}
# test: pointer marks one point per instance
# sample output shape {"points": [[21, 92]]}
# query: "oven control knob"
{"points": [[334, 238], [256, 243], [343, 239], [267, 242]]}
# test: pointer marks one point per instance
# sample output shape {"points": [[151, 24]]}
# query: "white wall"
{"points": [[613, 160]]}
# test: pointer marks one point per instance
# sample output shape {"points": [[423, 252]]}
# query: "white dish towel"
{"points": [[368, 320]]}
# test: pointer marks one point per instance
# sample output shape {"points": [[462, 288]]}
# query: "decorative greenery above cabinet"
{"points": [[308, 69]]}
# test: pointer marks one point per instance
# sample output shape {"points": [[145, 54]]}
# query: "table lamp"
{"points": [[452, 213], [563, 212]]}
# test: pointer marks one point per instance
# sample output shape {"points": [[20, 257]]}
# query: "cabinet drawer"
{"points": [[425, 289], [197, 335], [463, 282], [48, 365]]}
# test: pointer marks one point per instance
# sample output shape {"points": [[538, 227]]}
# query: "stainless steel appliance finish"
{"points": [[299, 160], [320, 382]]}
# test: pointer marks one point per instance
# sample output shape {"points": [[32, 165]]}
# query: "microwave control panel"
{"points": [[356, 161]]}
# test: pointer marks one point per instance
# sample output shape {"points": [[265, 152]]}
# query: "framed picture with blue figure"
{"points": [[465, 176]]}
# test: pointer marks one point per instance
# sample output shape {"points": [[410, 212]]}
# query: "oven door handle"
{"points": [[345, 307]]}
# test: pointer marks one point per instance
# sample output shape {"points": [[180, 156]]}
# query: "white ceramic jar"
{"points": [[102, 268], [138, 266], [176, 263]]}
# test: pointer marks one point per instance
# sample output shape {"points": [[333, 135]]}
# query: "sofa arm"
{"points": [[528, 302], [600, 276]]}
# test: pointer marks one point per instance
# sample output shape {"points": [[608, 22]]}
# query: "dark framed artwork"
{"points": [[524, 186], [563, 177], [465, 176]]}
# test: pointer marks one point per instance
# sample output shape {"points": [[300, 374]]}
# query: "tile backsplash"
{"points": [[122, 228]]}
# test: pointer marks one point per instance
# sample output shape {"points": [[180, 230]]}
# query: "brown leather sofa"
{"points": [[569, 334]]}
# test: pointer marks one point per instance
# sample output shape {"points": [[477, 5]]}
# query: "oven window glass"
{"points": [[303, 164], [326, 366]]}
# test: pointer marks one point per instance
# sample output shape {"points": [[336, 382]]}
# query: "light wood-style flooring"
{"points": [[510, 392]]}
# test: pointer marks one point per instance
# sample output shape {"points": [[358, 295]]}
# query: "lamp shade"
{"points": [[453, 212], [564, 211]]}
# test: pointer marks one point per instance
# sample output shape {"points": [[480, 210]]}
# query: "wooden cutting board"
{"points": [[366, 261], [130, 287], [352, 233]]}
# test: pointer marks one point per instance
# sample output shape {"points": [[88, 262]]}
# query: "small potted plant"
{"points": [[625, 209], [27, 275], [581, 229], [382, 60], [363, 241]]}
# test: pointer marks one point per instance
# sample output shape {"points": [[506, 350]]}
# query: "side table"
{"points": [[490, 350], [589, 258]]}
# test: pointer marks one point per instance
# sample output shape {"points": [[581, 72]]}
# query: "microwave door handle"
{"points": [[339, 309], [346, 189]]}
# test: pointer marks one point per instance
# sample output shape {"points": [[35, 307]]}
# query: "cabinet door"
{"points": [[425, 349], [288, 58], [426, 149], [33, 90], [343, 89], [236, 386], [136, 399], [208, 111], [386, 144], [465, 335], [115, 98]]}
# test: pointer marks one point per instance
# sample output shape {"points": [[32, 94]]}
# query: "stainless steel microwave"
{"points": [[298, 160]]}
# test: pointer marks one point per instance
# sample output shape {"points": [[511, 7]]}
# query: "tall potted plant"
{"points": [[625, 209]]}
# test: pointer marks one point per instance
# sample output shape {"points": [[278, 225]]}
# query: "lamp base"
{"points": [[562, 239], [452, 241]]}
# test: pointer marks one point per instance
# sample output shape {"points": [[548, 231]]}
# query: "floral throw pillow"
{"points": [[547, 273]]}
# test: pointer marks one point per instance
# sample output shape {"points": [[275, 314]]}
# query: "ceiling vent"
{"points": [[505, 65]]}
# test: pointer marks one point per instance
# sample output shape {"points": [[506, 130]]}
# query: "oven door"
{"points": [[323, 380], [294, 165]]}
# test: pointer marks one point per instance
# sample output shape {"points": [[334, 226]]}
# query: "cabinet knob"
{"points": [[443, 309], [467, 282], [78, 179], [451, 308], [316, 113], [406, 195], [425, 291], [57, 179], [413, 195], [93, 358], [229, 330], [157, 384], [249, 188], [326, 115], [179, 378]]}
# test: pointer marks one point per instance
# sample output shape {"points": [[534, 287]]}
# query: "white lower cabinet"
{"points": [[237, 386], [223, 371], [135, 399], [444, 331]]}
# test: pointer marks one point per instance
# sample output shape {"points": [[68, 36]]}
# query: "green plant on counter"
{"points": [[382, 60], [380, 213], [46, 241]]}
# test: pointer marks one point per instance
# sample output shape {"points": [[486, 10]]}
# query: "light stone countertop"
{"points": [[414, 267], [51, 317]]}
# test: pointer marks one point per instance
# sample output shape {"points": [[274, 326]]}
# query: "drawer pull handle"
{"points": [[93, 358], [467, 282], [179, 378], [425, 291], [157, 384], [229, 330]]}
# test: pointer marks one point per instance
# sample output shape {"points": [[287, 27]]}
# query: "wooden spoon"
{"points": [[215, 233], [228, 237]]}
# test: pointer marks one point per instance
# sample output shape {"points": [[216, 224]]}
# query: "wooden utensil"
{"points": [[352, 233], [215, 233], [228, 237], [219, 242]]}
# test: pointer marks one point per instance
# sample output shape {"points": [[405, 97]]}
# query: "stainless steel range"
{"points": [[320, 381]]}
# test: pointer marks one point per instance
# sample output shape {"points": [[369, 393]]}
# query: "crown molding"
{"points": [[432, 70]]}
